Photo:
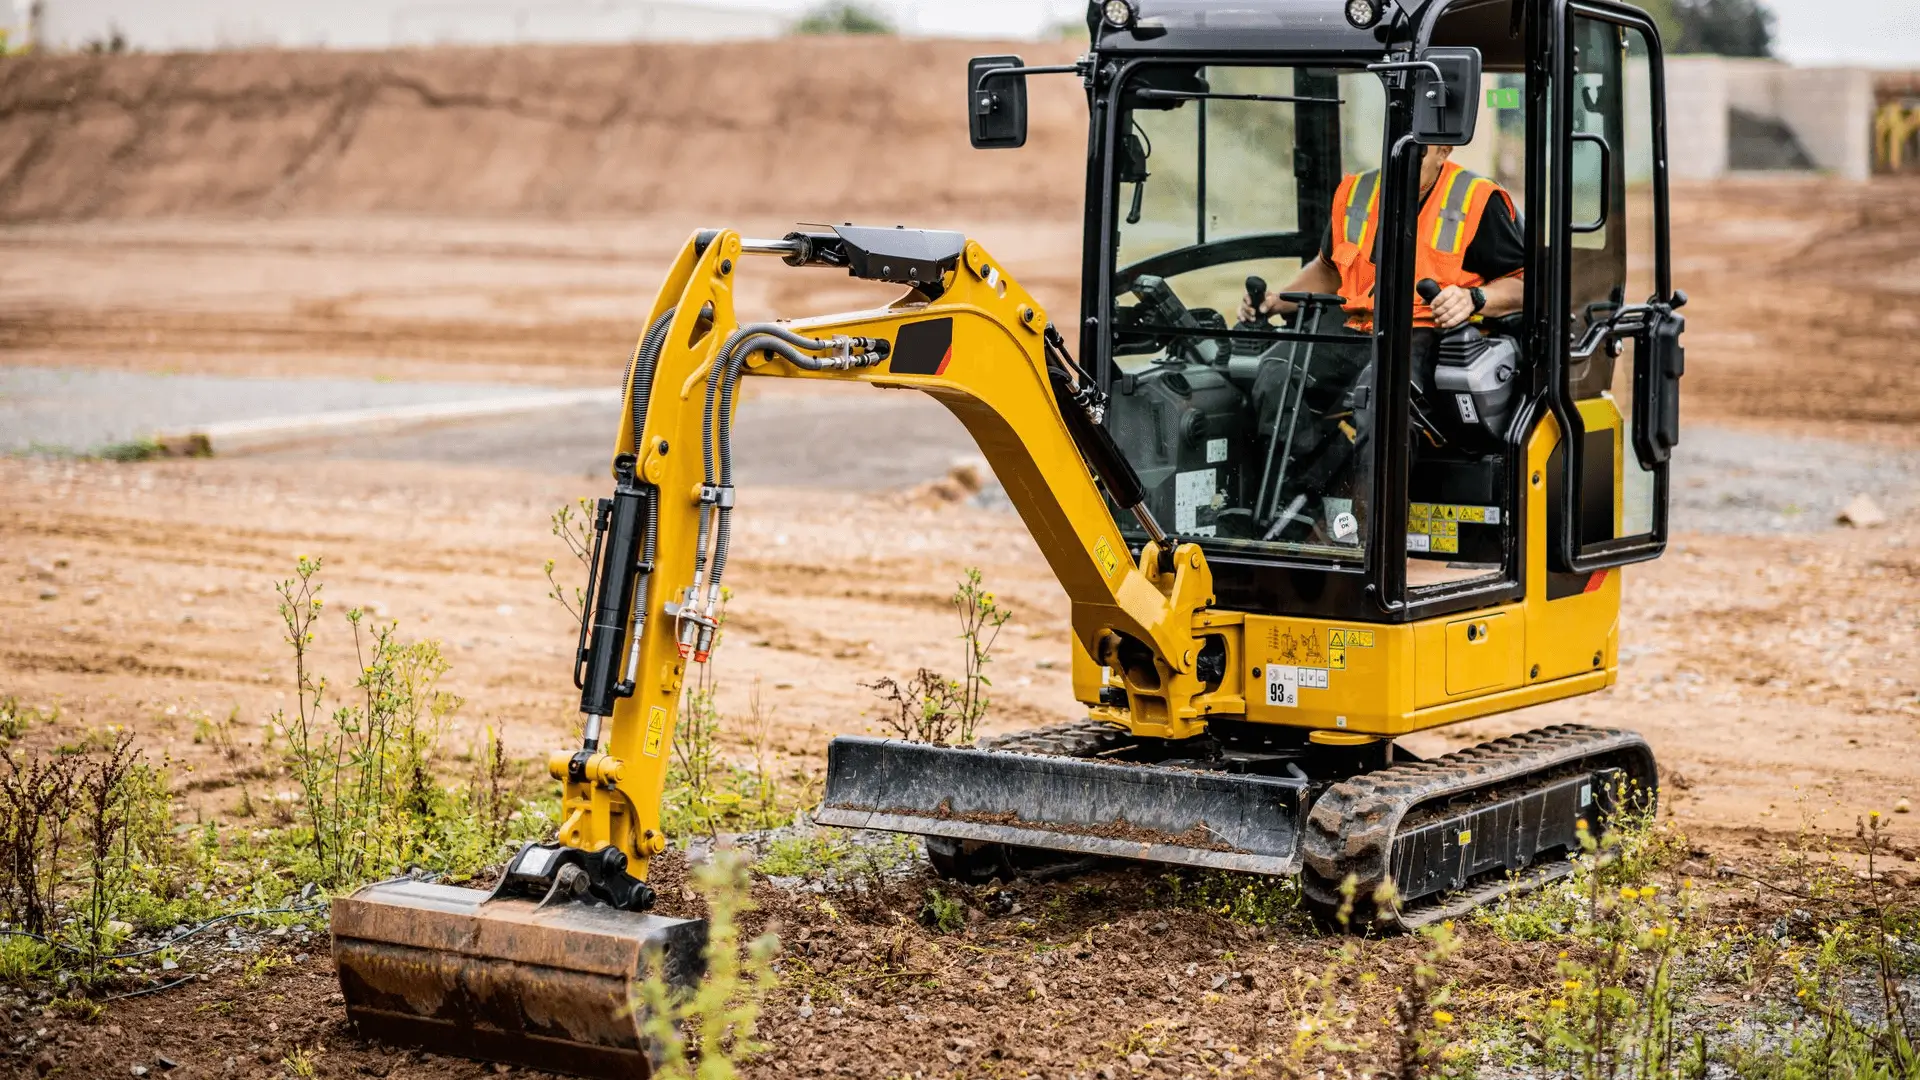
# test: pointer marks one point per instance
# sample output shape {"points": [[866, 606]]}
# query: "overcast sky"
{"points": [[1882, 33]]}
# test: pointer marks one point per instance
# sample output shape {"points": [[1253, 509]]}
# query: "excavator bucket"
{"points": [[553, 988], [1158, 813]]}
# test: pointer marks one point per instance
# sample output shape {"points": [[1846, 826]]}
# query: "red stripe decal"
{"points": [[1594, 582], [944, 361]]}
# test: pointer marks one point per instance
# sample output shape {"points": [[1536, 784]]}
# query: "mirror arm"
{"points": [[994, 73], [1439, 77]]}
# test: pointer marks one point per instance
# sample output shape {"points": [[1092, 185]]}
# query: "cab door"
{"points": [[1615, 387]]}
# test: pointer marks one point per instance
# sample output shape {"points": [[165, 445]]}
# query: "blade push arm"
{"points": [[968, 336]]}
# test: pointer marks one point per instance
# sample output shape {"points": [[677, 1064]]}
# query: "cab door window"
{"points": [[1612, 210]]}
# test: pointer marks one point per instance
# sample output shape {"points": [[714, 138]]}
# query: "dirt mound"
{"points": [[794, 127]]}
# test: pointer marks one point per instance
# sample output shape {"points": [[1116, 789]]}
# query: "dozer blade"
{"points": [[1129, 811], [552, 988]]}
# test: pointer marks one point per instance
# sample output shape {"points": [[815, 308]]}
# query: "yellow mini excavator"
{"points": [[1286, 545]]}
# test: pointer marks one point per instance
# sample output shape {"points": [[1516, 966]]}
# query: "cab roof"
{"points": [[1235, 26]]}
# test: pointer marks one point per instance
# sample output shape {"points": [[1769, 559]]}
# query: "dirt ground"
{"points": [[1774, 672]]}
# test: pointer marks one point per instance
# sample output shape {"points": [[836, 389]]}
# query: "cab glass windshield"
{"points": [[1251, 434]]}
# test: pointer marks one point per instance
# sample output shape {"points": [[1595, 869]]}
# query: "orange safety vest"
{"points": [[1448, 223]]}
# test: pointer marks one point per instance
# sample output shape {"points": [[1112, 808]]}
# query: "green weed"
{"points": [[1251, 899], [15, 718], [941, 913], [930, 707], [708, 1031], [24, 960]]}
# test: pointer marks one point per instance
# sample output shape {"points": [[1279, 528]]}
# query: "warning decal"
{"points": [[1103, 554], [656, 731], [1339, 641], [1435, 527]]}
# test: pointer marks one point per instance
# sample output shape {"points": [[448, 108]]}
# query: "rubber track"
{"points": [[1352, 825], [1079, 739]]}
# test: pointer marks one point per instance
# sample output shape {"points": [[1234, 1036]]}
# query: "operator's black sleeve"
{"points": [[1497, 250]]}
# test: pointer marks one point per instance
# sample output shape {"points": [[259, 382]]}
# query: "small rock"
{"points": [[1000, 982], [1219, 981], [1138, 1061], [1902, 806], [166, 1062], [503, 609], [804, 1012], [49, 594], [61, 562], [1044, 665], [1862, 513], [91, 596], [1001, 902], [138, 1070], [1160, 927]]}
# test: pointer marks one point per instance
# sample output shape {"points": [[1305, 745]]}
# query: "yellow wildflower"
{"points": [[1659, 931], [1443, 1016], [1647, 891], [1557, 1003], [1628, 892]]}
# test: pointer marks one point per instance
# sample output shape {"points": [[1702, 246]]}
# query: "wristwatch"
{"points": [[1479, 299]]}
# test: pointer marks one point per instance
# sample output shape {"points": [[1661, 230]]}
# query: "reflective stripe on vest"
{"points": [[1359, 209], [1449, 230]]}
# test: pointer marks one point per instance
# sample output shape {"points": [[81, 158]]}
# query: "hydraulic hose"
{"points": [[628, 553]]}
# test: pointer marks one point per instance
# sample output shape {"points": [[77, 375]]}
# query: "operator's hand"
{"points": [[1271, 306], [1452, 307]]}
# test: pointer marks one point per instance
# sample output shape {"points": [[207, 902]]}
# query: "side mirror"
{"points": [[1446, 96], [997, 102]]}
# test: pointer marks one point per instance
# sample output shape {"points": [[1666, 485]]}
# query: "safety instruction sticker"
{"points": [[1339, 641], [1285, 683], [1193, 492], [1435, 527], [656, 731], [1103, 554], [1216, 451]]}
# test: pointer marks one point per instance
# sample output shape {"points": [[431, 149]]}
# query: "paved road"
{"points": [[80, 410]]}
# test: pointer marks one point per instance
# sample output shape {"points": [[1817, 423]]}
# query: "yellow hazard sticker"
{"points": [[1443, 519], [1466, 837], [1103, 554], [656, 731], [1339, 641]]}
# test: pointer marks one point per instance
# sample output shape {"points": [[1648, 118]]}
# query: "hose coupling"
{"points": [[853, 353]]}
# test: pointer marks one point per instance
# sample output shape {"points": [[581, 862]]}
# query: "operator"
{"points": [[1469, 241]]}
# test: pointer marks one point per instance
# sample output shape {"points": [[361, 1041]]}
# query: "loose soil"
{"points": [[266, 213]]}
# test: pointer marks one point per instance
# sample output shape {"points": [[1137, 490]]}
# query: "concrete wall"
{"points": [[1697, 102], [1829, 111]]}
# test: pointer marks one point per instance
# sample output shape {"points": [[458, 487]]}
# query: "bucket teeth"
{"points": [[552, 988]]}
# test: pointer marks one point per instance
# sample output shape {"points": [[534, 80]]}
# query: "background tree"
{"points": [[1722, 27], [844, 18]]}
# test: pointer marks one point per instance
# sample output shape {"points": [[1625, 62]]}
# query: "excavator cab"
{"points": [[1404, 527], [1286, 544]]}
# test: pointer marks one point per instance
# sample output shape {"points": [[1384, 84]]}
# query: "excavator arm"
{"points": [[525, 973], [967, 335]]}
